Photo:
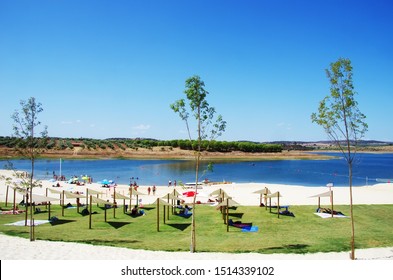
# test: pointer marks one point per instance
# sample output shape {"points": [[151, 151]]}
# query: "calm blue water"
{"points": [[367, 168]]}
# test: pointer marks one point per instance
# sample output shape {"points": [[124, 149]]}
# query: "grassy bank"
{"points": [[303, 233]]}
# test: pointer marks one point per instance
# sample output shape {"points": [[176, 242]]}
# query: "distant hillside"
{"points": [[153, 148]]}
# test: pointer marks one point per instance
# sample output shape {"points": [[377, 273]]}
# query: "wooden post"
{"points": [[167, 214], [331, 201], [105, 213], [227, 218], [130, 189], [6, 197], [270, 204], [266, 193], [164, 213], [87, 196], [62, 204], [114, 202], [49, 210], [46, 194], [27, 208], [278, 204], [174, 202], [14, 208], [91, 200], [158, 214]]}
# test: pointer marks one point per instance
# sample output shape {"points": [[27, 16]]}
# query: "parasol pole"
{"points": [[158, 214], [278, 204], [62, 204], [91, 201], [6, 197], [49, 210], [46, 194], [114, 202], [14, 207], [227, 218], [331, 201]]}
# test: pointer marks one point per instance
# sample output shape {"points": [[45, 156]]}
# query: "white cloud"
{"points": [[141, 127], [284, 125]]}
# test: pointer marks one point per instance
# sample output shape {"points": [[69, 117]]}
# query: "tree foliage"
{"points": [[207, 128], [339, 115], [28, 145]]}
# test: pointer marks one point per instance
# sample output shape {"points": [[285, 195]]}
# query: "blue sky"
{"points": [[112, 68]]}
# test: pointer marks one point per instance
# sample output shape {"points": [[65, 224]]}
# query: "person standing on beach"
{"points": [[148, 190], [154, 190]]}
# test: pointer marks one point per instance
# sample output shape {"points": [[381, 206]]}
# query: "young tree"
{"points": [[339, 115], [29, 146], [206, 128]]}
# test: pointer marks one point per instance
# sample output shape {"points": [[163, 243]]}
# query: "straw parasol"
{"points": [[159, 202], [97, 200], [117, 195], [325, 194], [274, 195], [264, 192], [228, 202], [40, 199]]}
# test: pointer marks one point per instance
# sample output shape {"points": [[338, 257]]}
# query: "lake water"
{"points": [[367, 168]]}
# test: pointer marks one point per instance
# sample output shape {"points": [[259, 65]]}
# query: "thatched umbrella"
{"points": [[228, 202], [274, 195], [40, 198], [69, 195], [135, 193], [17, 190], [91, 191], [159, 202], [263, 193], [97, 200], [325, 194], [117, 195], [170, 196], [61, 198], [221, 194]]}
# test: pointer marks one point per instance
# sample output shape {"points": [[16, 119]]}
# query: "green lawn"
{"points": [[303, 233]]}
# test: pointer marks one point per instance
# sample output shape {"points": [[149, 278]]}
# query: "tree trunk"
{"points": [[351, 213], [193, 224], [32, 238]]}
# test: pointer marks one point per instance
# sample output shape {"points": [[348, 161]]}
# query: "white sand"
{"points": [[14, 248]]}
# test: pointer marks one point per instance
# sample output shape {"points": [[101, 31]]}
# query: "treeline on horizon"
{"points": [[54, 143]]}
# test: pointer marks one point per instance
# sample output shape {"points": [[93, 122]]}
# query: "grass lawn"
{"points": [[304, 233]]}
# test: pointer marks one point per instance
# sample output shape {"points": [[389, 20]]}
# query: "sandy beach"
{"points": [[14, 248]]}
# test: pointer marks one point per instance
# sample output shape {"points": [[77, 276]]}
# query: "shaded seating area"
{"points": [[284, 212], [227, 204], [323, 212], [263, 194]]}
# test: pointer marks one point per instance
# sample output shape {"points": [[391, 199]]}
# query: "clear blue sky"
{"points": [[112, 68]]}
